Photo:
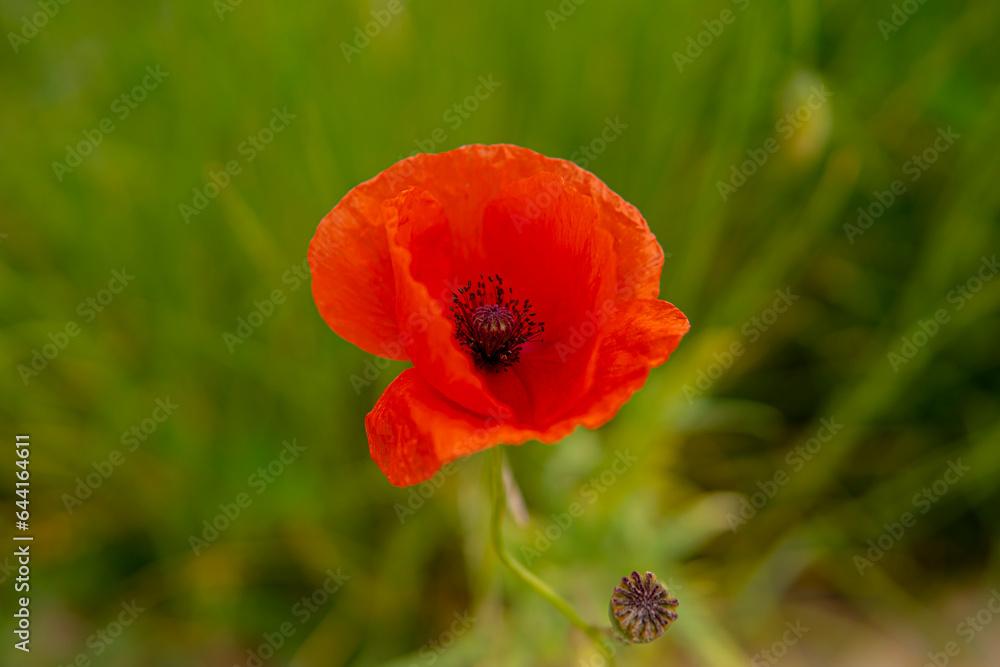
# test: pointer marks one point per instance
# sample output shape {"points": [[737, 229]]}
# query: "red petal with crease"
{"points": [[352, 277], [413, 429], [560, 258], [421, 250]]}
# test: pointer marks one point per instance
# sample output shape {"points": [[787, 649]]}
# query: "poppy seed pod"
{"points": [[641, 609]]}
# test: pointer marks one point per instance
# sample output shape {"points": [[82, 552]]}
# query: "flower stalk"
{"points": [[524, 574]]}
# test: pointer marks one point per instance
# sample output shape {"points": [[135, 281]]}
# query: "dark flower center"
{"points": [[491, 326]]}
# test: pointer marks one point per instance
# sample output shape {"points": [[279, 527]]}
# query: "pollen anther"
{"points": [[491, 326]]}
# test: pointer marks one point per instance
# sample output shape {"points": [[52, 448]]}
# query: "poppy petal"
{"points": [[640, 257], [413, 430], [353, 282], [421, 250], [544, 240], [641, 335]]}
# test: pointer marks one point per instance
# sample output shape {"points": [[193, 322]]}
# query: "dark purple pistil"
{"points": [[491, 326]]}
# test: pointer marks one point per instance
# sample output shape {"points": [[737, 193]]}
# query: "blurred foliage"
{"points": [[702, 454]]}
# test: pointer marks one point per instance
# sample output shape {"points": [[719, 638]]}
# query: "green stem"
{"points": [[539, 586]]}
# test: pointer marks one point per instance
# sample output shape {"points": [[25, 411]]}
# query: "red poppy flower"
{"points": [[523, 290]]}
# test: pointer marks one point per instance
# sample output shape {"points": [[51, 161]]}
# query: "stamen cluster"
{"points": [[492, 326]]}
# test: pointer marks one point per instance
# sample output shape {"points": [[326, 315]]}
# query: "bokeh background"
{"points": [[709, 430]]}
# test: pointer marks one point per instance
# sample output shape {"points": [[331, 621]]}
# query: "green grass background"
{"points": [[331, 508]]}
